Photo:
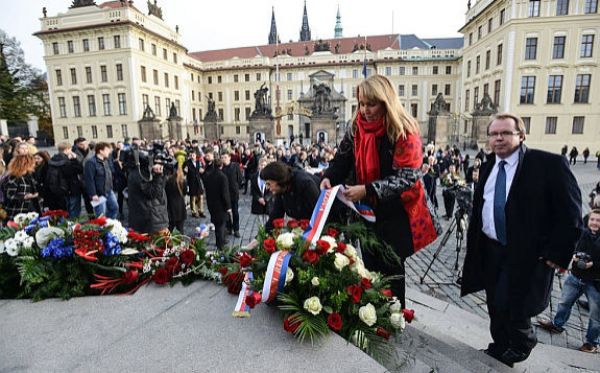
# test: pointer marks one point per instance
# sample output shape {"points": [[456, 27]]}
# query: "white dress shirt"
{"points": [[489, 190]]}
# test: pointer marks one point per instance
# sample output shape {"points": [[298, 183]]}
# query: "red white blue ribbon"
{"points": [[323, 208], [241, 308], [275, 277]]}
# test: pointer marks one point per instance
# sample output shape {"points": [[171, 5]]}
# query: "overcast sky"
{"points": [[217, 24]]}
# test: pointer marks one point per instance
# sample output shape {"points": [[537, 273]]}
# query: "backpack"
{"points": [[56, 182]]}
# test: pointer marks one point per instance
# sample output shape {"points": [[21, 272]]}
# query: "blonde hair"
{"points": [[21, 165], [398, 122]]}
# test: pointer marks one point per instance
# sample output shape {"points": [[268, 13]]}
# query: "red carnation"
{"points": [[234, 282], [222, 271], [161, 276], [292, 224], [387, 293], [310, 256], [187, 257], [341, 247], [270, 245], [409, 314], [253, 299], [365, 283], [334, 320], [245, 260], [355, 292], [322, 247], [131, 276], [304, 223], [383, 333], [291, 325], [278, 223], [98, 221], [332, 232], [171, 264]]}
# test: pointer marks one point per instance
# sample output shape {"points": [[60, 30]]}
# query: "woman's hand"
{"points": [[355, 192], [325, 184], [262, 201]]}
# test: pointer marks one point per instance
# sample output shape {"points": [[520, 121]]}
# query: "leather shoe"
{"points": [[237, 234], [497, 355], [549, 326], [514, 356]]}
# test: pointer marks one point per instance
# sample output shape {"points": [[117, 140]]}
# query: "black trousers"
{"points": [[235, 225], [377, 264], [507, 332], [220, 235], [449, 200], [176, 224]]}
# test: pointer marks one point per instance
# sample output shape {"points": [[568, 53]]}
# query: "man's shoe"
{"points": [[237, 234], [588, 347], [549, 326], [202, 215], [511, 356], [496, 355]]}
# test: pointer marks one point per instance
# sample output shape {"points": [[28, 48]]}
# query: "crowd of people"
{"points": [[516, 239]]}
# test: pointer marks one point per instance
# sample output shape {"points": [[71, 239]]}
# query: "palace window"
{"points": [[587, 46], [119, 72], [591, 6], [551, 125], [578, 125], [55, 48], [527, 122], [558, 48], [88, 74], [117, 39], [106, 104], [65, 132], [59, 80], [122, 104], [554, 89], [143, 70], [73, 76], [562, 7], [70, 46], [109, 131], [86, 45], [527, 89], [534, 8], [62, 107], [582, 88], [76, 106], [94, 132], [91, 105], [499, 55], [100, 43], [531, 48], [103, 74], [401, 92]]}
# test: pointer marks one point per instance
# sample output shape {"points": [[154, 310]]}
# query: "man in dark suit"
{"points": [[525, 224], [218, 199], [234, 177]]}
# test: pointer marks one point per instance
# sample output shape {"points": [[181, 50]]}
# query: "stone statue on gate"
{"points": [[148, 114], [322, 99], [439, 105], [261, 106], [172, 111]]}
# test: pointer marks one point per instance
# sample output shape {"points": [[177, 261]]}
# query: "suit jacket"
{"points": [[543, 220], [218, 199]]}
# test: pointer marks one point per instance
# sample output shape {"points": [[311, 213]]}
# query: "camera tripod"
{"points": [[459, 224]]}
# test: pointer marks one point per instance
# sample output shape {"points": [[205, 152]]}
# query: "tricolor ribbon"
{"points": [[241, 308], [275, 277], [323, 208]]}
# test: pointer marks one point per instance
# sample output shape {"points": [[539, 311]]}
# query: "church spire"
{"points": [[338, 25], [273, 37], [305, 30]]}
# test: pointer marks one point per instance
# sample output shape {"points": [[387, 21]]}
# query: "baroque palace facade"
{"points": [[108, 63]]}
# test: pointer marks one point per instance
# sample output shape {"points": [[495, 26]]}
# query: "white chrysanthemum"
{"points": [[340, 261], [397, 320], [368, 314], [28, 242], [21, 236], [117, 229], [285, 240], [331, 241], [289, 276], [12, 247]]}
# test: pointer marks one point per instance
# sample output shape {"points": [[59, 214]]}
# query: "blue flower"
{"points": [[112, 246], [57, 248]]}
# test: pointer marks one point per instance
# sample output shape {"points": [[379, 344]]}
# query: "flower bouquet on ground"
{"points": [[323, 287]]}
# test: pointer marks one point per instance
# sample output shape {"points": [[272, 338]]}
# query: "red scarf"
{"points": [[366, 153]]}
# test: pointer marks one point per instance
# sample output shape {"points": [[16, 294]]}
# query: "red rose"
{"points": [[245, 260], [222, 271], [278, 223], [409, 315], [322, 247], [310, 256], [292, 224], [161, 276], [332, 232], [131, 276], [171, 264], [383, 333], [355, 292], [253, 299], [304, 223], [234, 282], [187, 257], [387, 293], [341, 247], [365, 283], [334, 320], [270, 245], [291, 325], [98, 221]]}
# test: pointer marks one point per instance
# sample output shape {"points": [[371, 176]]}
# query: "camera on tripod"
{"points": [[464, 198], [582, 259]]}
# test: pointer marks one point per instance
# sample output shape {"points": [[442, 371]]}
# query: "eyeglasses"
{"points": [[502, 134]]}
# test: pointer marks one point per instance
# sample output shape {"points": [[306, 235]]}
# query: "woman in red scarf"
{"points": [[379, 159]]}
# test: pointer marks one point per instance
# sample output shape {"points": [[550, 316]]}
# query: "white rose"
{"points": [[315, 281], [363, 272], [340, 261], [368, 314], [12, 247], [351, 251], [28, 242], [397, 320], [313, 305], [20, 236], [289, 276], [396, 307], [285, 240], [331, 241]]}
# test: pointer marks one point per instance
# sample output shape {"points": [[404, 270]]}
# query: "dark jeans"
{"points": [[220, 235], [235, 225], [398, 286], [507, 332]]}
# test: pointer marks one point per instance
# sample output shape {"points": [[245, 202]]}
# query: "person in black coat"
{"points": [[175, 190], [69, 169], [191, 168], [525, 224], [234, 177], [429, 182], [147, 200], [260, 193], [218, 198]]}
